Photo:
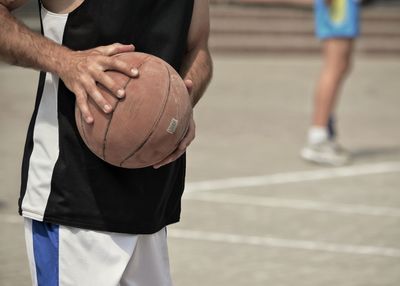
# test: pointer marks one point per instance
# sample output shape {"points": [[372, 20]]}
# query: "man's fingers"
{"points": [[189, 137], [121, 66], [178, 151], [114, 49], [104, 61], [185, 143], [110, 84], [189, 85], [174, 156], [93, 91], [113, 63], [187, 140], [110, 63], [119, 48], [81, 101]]}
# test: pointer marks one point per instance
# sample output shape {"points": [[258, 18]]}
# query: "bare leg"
{"points": [[321, 147], [337, 58]]}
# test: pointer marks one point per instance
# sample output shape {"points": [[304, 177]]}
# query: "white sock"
{"points": [[317, 134]]}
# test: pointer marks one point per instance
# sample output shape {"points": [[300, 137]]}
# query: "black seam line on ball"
{"points": [[115, 108], [156, 122], [83, 129]]}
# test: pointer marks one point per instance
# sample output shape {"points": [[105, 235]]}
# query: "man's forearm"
{"points": [[23, 47], [197, 67]]}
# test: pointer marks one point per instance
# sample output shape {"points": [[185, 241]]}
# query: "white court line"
{"points": [[294, 177], [283, 243], [294, 204]]}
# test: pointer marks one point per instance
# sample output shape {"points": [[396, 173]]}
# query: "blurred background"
{"points": [[254, 213]]}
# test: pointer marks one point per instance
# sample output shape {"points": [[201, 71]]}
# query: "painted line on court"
{"points": [[265, 241], [260, 201], [293, 177]]}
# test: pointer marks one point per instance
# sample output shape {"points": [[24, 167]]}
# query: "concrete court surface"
{"points": [[279, 221]]}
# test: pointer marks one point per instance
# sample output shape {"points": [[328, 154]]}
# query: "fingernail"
{"points": [[107, 108], [120, 93], [134, 72]]}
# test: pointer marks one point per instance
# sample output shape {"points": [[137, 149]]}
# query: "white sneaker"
{"points": [[327, 152]]}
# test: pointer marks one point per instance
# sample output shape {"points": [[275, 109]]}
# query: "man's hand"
{"points": [[81, 70], [189, 137], [196, 65]]}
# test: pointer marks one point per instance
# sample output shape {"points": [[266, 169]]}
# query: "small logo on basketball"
{"points": [[172, 126]]}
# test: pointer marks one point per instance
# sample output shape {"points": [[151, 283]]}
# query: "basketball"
{"points": [[148, 123]]}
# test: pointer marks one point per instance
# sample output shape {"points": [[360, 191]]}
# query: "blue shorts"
{"points": [[340, 20]]}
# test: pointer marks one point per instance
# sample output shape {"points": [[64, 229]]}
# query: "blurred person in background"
{"points": [[336, 25]]}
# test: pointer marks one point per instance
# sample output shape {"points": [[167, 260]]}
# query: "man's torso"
{"points": [[74, 187]]}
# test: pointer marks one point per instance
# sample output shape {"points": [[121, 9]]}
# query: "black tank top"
{"points": [[83, 190]]}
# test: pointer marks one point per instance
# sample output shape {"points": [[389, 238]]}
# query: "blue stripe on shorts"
{"points": [[45, 249]]}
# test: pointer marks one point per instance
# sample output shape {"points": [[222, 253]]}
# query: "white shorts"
{"points": [[60, 255]]}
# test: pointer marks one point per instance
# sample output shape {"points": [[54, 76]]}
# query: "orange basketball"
{"points": [[148, 123]]}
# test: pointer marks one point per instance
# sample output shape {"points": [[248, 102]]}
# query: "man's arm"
{"points": [[196, 69], [197, 64], [80, 70]]}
